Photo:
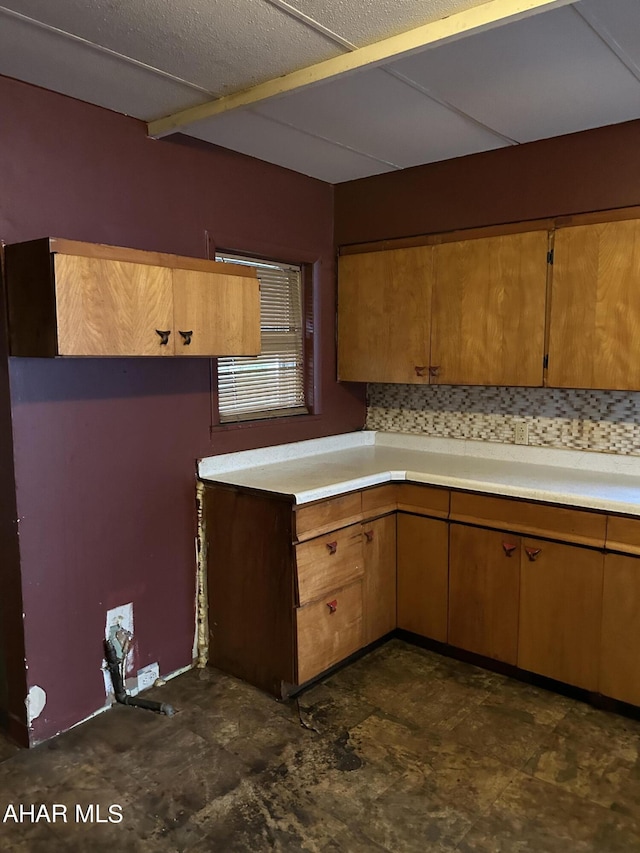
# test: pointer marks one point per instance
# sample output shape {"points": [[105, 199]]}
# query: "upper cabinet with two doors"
{"points": [[68, 298], [557, 304], [460, 312]]}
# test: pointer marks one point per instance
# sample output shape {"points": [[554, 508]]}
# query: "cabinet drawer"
{"points": [[329, 630], [328, 562], [314, 519], [380, 500], [423, 500], [556, 522], [623, 534]]}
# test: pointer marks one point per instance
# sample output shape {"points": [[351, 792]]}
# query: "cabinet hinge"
{"points": [[550, 256], [545, 361]]}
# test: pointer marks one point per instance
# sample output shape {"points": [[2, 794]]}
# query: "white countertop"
{"points": [[312, 470]]}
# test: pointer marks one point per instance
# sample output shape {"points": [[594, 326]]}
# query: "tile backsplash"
{"points": [[604, 421]]}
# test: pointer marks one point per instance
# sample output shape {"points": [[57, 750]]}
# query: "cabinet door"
{"points": [[379, 586], [384, 310], [423, 576], [489, 310], [106, 307], [594, 332], [560, 611], [220, 312], [620, 643], [484, 588]]}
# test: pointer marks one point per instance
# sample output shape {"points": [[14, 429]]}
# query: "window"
{"points": [[271, 384]]}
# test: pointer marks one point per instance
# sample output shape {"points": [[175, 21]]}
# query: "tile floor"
{"points": [[402, 751]]}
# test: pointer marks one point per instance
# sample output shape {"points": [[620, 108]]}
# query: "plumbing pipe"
{"points": [[113, 665]]}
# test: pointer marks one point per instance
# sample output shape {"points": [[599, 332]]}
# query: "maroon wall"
{"points": [[105, 449], [12, 671], [594, 170]]}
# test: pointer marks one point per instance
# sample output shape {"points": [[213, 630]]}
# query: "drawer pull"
{"points": [[508, 548], [332, 547], [420, 369], [164, 336], [532, 553], [368, 535], [332, 605], [434, 370], [186, 337]]}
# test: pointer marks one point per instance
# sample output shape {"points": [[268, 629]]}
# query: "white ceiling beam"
{"points": [[490, 14]]}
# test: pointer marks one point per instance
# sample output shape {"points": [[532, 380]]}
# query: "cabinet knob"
{"points": [[332, 547], [186, 336], [368, 535], [420, 369], [508, 548], [164, 336], [532, 553], [434, 370], [332, 605]]}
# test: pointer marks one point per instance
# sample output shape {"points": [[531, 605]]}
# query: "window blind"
{"points": [[271, 384]]}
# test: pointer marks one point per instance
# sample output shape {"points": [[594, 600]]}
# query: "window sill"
{"points": [[234, 426]]}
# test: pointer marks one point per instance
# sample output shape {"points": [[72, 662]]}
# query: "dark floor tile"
{"points": [[507, 733], [469, 779], [433, 705], [532, 816], [324, 708], [413, 815], [265, 745], [396, 665], [601, 728], [264, 815], [459, 672], [606, 775], [403, 750], [532, 703]]}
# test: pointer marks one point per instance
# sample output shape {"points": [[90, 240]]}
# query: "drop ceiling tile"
{"points": [[221, 45], [250, 133], [364, 23], [72, 68], [544, 76], [620, 20], [378, 115]]}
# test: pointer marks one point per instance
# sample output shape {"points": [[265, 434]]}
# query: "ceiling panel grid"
{"points": [[566, 67]]}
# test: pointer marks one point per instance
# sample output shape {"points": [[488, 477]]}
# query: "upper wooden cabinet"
{"points": [[384, 315], [489, 309], [465, 312], [67, 298], [594, 332]]}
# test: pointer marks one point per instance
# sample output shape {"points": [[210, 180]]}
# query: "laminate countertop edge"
{"points": [[323, 468]]}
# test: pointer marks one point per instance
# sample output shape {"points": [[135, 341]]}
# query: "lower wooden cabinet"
{"points": [[620, 641], [379, 586], [560, 611], [289, 598], [423, 575], [328, 562], [328, 630], [484, 589]]}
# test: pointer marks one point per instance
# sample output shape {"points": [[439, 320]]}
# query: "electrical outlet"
{"points": [[522, 433], [147, 676]]}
